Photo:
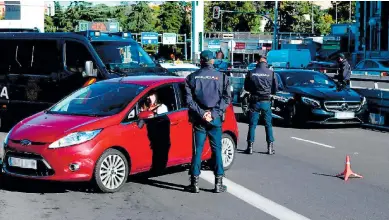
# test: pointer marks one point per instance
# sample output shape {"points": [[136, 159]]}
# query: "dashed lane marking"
{"points": [[313, 142], [254, 199]]}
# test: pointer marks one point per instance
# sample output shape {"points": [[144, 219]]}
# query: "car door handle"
{"points": [[175, 122]]}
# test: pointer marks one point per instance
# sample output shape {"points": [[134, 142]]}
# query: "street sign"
{"points": [[214, 45], [12, 10], [252, 46], [240, 46], [149, 38], [169, 38]]}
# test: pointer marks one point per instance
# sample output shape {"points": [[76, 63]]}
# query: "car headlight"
{"points": [[311, 102], [75, 138], [364, 101]]}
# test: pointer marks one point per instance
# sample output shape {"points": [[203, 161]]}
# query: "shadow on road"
{"points": [[240, 151], [328, 175]]}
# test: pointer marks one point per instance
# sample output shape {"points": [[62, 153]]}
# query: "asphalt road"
{"points": [[296, 183]]}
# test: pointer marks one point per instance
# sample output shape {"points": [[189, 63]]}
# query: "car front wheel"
{"points": [[111, 171]]}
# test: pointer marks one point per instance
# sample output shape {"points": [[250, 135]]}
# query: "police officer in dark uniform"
{"points": [[345, 71], [208, 96], [260, 83]]}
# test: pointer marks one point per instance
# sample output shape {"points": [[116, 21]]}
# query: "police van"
{"points": [[39, 69]]}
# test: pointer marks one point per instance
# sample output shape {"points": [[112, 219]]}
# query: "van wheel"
{"points": [[228, 151], [111, 171]]}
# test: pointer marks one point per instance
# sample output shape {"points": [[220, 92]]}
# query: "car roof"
{"points": [[147, 80], [179, 66], [294, 70]]}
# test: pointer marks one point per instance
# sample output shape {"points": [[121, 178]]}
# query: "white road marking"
{"points": [[313, 142], [254, 199]]}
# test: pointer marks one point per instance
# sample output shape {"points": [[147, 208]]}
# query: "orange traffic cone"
{"points": [[347, 170]]}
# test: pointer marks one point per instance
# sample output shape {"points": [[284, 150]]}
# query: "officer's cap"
{"points": [[341, 55], [206, 55]]}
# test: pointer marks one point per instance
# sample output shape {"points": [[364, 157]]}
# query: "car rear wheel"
{"points": [[228, 151], [111, 171]]}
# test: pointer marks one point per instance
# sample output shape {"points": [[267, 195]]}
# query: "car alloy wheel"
{"points": [[228, 151], [111, 171]]}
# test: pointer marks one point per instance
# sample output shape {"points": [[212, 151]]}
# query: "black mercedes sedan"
{"points": [[306, 96]]}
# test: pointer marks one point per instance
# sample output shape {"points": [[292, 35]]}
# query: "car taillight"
{"points": [[384, 74]]}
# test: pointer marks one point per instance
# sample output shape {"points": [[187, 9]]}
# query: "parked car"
{"points": [[306, 96], [373, 67], [323, 66], [251, 66], [180, 69], [100, 134]]}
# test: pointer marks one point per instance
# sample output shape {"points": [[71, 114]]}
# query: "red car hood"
{"points": [[48, 128]]}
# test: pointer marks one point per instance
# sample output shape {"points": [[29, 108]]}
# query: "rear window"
{"points": [[98, 99], [36, 57], [384, 63]]}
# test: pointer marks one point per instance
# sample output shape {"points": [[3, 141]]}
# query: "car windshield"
{"points": [[122, 54], [384, 63], [98, 99], [306, 78]]}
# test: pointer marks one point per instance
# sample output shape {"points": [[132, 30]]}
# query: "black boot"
{"points": [[194, 185], [219, 187], [249, 149], [270, 148]]}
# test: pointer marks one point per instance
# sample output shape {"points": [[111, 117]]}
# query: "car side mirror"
{"points": [[89, 72]]}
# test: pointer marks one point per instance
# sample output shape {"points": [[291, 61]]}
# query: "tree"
{"points": [[140, 18], [170, 18], [342, 11]]}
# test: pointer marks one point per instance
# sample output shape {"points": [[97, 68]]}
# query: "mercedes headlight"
{"points": [[75, 138], [364, 101], [311, 102]]}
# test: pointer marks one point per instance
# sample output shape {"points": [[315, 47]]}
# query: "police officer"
{"points": [[345, 70], [260, 83], [208, 96]]}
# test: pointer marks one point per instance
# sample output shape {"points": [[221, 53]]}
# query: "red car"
{"points": [[99, 134]]}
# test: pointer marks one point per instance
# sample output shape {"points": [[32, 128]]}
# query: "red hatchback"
{"points": [[98, 133]]}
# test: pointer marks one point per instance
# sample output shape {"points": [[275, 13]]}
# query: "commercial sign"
{"points": [[214, 45], [149, 38], [12, 10], [169, 38], [240, 46], [252, 46], [99, 26]]}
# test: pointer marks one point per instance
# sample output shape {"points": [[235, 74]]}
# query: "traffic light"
{"points": [[216, 12]]}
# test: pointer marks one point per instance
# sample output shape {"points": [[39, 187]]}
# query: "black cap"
{"points": [[341, 55], [206, 55]]}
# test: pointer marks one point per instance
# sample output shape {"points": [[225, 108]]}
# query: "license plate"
{"points": [[344, 115], [22, 163]]}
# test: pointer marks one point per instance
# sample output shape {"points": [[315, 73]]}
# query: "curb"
{"points": [[377, 127]]}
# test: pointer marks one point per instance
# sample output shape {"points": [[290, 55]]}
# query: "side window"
{"points": [[181, 87], [37, 57], [160, 100], [360, 65], [280, 85], [374, 65], [76, 56]]}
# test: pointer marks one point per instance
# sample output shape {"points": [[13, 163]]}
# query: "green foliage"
{"points": [[170, 17], [343, 11], [140, 18]]}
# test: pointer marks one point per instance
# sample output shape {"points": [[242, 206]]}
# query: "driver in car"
{"points": [[153, 104]]}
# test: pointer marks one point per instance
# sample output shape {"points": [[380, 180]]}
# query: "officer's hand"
{"points": [[207, 116]]}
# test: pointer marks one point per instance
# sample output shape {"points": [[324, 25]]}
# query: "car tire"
{"points": [[119, 171], [228, 151]]}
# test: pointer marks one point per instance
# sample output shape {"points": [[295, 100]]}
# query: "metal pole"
{"points": [[350, 13], [336, 12], [275, 43], [364, 32], [221, 20], [312, 18], [186, 48]]}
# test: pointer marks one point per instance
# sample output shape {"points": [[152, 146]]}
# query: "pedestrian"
{"points": [[260, 83], [208, 96], [345, 71]]}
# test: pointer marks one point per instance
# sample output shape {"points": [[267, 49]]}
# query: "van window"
{"points": [[33, 57], [76, 56]]}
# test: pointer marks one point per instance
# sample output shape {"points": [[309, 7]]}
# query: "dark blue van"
{"points": [[39, 69]]}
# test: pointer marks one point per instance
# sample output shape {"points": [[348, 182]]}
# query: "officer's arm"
{"points": [[224, 101], [189, 98]]}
